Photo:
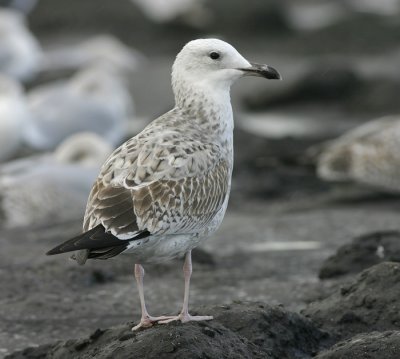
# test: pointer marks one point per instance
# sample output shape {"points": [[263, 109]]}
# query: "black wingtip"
{"points": [[96, 238], [82, 241], [52, 252]]}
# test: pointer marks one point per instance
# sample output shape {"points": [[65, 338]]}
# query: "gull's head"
{"points": [[215, 62], [84, 148]]}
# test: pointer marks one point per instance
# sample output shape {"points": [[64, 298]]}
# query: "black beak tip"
{"points": [[265, 71], [271, 73]]}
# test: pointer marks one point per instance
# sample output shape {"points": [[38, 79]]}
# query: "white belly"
{"points": [[156, 249]]}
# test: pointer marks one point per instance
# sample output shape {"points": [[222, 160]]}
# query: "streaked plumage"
{"points": [[165, 190], [368, 154]]}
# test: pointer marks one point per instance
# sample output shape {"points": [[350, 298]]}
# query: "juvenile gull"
{"points": [[166, 190], [369, 154]]}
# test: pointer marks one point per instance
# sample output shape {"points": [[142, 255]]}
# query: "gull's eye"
{"points": [[214, 55]]}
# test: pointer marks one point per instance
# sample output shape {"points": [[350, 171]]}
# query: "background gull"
{"points": [[14, 115], [193, 12], [95, 100], [20, 52], [51, 188], [24, 6], [166, 190], [368, 154], [102, 48]]}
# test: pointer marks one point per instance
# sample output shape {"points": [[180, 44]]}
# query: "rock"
{"points": [[332, 85], [368, 303], [254, 17], [363, 252], [319, 83], [276, 331], [374, 345], [266, 168], [201, 256], [240, 330]]}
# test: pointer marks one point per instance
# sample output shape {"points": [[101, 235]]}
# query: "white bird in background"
{"points": [[95, 100], [14, 117], [20, 52], [161, 11], [104, 48], [369, 154], [23, 6], [51, 187], [166, 190]]}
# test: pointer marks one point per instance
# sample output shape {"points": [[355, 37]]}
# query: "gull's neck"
{"points": [[208, 107]]}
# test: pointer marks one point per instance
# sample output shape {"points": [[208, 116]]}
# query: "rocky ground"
{"points": [[266, 251]]}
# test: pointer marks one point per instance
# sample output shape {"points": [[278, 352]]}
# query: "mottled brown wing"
{"points": [[113, 208], [161, 206], [182, 206]]}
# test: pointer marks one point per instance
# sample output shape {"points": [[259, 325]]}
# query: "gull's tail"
{"points": [[95, 243]]}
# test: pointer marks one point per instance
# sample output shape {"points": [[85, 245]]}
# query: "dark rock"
{"points": [[274, 330], [323, 83], [128, 22], [201, 256], [332, 86], [369, 303], [51, 18], [98, 276], [241, 330], [253, 17], [363, 252], [374, 345], [266, 168]]}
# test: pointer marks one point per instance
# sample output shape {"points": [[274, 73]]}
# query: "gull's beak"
{"points": [[262, 70]]}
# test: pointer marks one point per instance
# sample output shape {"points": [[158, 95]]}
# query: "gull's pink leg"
{"points": [[184, 315], [146, 320]]}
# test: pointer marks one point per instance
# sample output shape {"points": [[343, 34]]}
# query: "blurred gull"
{"points": [[381, 7], [98, 49], [23, 6], [94, 100], [14, 116], [20, 52], [161, 11], [369, 154], [52, 187], [314, 15]]}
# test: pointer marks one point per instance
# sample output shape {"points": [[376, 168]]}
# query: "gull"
{"points": [[20, 52], [165, 191], [193, 12], [95, 100], [51, 187], [23, 6], [14, 116], [368, 154], [103, 48]]}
